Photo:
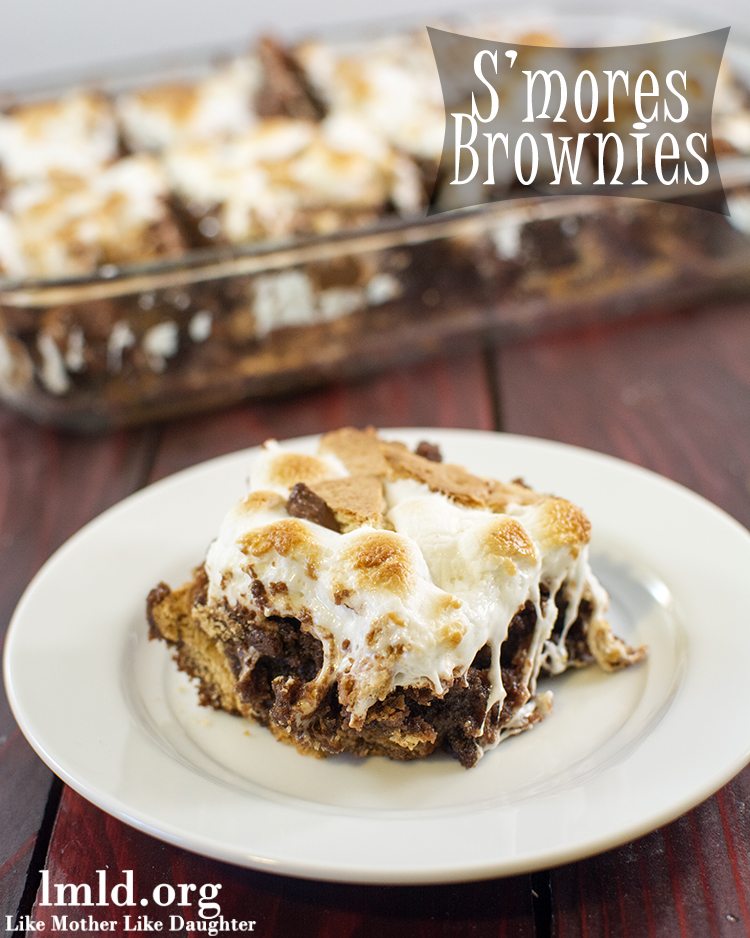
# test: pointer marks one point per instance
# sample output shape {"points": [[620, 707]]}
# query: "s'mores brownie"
{"points": [[219, 104], [59, 227], [287, 177], [391, 83], [376, 601], [73, 135]]}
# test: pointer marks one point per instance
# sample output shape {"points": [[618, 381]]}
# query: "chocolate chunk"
{"points": [[258, 592], [429, 451], [304, 503], [286, 89]]}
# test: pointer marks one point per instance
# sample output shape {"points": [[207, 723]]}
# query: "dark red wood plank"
{"points": [[453, 392], [672, 394], [50, 485], [280, 906]]}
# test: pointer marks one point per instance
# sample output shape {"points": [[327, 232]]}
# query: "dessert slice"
{"points": [[70, 226], [220, 103], [390, 82], [377, 601], [73, 135], [225, 101], [286, 177]]}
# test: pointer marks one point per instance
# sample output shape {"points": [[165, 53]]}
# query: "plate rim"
{"points": [[481, 869]]}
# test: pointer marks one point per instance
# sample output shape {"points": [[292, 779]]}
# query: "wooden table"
{"points": [[668, 392]]}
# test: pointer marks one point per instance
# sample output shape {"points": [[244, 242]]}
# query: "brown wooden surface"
{"points": [[49, 486], [671, 393]]}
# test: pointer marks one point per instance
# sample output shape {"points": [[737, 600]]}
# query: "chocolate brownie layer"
{"points": [[257, 665]]}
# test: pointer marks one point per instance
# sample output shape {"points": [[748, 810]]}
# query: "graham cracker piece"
{"points": [[456, 482], [354, 501], [364, 454], [358, 450], [453, 481], [501, 494]]}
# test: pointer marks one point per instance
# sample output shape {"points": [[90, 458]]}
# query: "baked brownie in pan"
{"points": [[392, 82], [116, 215], [285, 90], [233, 95], [221, 103], [195, 347], [289, 177], [376, 601], [388, 82], [161, 352], [74, 135], [156, 348]]}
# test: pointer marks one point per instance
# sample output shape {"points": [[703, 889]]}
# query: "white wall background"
{"points": [[39, 37]]}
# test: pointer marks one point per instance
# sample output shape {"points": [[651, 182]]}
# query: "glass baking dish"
{"points": [[221, 324]]}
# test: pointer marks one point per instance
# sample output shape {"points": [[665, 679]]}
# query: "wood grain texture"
{"points": [[669, 393], [50, 485], [86, 840], [672, 394], [452, 392]]}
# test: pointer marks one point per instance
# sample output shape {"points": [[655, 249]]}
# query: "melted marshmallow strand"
{"points": [[411, 603]]}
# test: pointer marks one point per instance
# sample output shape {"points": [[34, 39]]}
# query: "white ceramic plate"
{"points": [[620, 755]]}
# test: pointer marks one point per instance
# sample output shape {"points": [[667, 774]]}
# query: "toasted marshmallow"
{"points": [[411, 603], [73, 135], [220, 104]]}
